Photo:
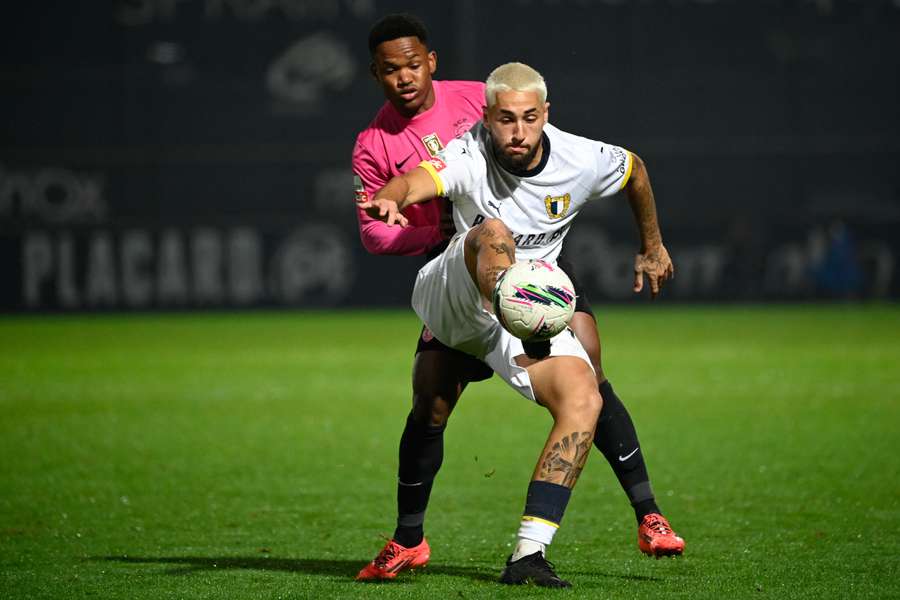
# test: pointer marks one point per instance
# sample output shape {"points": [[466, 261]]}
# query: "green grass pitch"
{"points": [[254, 456]]}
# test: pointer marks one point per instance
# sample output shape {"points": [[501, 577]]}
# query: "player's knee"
{"points": [[590, 405], [431, 409], [582, 405], [436, 387]]}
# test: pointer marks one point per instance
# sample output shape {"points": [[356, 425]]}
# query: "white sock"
{"points": [[534, 536], [526, 548]]}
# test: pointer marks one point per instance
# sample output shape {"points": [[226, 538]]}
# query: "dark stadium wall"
{"points": [[195, 154]]}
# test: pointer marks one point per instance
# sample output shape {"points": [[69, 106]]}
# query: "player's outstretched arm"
{"points": [[412, 187], [653, 259]]}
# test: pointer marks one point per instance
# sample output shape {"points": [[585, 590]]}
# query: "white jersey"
{"points": [[537, 205]]}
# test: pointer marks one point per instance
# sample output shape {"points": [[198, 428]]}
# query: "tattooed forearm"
{"points": [[643, 205], [503, 248], [563, 463], [490, 249], [488, 277]]}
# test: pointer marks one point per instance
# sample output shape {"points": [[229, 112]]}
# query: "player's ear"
{"points": [[484, 115], [373, 70], [546, 112], [432, 61]]}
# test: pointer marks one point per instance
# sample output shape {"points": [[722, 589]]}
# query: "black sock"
{"points": [[616, 438], [421, 454]]}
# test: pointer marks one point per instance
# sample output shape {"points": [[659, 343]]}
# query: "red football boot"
{"points": [[656, 538], [393, 559]]}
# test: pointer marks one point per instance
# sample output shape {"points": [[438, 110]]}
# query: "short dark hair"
{"points": [[396, 26]]}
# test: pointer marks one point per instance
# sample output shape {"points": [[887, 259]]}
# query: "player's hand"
{"points": [[384, 210], [656, 265]]}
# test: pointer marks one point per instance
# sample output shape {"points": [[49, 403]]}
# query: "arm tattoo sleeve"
{"points": [[503, 248], [488, 277]]}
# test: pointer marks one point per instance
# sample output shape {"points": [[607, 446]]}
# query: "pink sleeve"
{"points": [[411, 240], [377, 237]]}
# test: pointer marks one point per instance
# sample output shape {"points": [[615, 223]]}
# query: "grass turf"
{"points": [[254, 456]]}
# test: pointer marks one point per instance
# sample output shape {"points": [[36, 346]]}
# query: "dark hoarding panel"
{"points": [[195, 154]]}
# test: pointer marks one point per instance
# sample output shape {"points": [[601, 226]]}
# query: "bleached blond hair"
{"points": [[511, 77]]}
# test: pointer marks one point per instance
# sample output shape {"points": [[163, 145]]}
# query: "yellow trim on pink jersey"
{"points": [[628, 170], [434, 175], [540, 520]]}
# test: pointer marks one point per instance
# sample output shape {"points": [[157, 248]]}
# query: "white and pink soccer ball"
{"points": [[534, 300]]}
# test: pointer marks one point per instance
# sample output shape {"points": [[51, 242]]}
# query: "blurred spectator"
{"points": [[746, 249], [834, 262]]}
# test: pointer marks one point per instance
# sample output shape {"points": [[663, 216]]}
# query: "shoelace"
{"points": [[660, 526], [546, 565], [389, 552]]}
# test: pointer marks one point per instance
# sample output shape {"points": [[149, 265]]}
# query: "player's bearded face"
{"points": [[516, 122], [403, 68]]}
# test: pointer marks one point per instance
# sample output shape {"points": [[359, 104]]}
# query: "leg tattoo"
{"points": [[565, 460]]}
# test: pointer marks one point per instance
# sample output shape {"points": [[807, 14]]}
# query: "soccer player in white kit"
{"points": [[516, 183]]}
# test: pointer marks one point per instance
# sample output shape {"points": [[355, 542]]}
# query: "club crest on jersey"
{"points": [[432, 144], [557, 206]]}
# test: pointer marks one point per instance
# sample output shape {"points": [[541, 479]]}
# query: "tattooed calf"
{"points": [[566, 459]]}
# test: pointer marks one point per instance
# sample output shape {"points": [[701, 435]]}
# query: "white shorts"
{"points": [[448, 302]]}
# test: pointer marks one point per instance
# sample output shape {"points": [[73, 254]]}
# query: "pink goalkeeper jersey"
{"points": [[393, 144]]}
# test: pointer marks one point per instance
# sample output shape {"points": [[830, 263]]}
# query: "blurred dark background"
{"points": [[160, 154]]}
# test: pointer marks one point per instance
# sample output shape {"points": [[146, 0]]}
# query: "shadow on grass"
{"points": [[311, 566], [344, 569]]}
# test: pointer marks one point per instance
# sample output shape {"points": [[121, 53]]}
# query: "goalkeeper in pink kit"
{"points": [[419, 118]]}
